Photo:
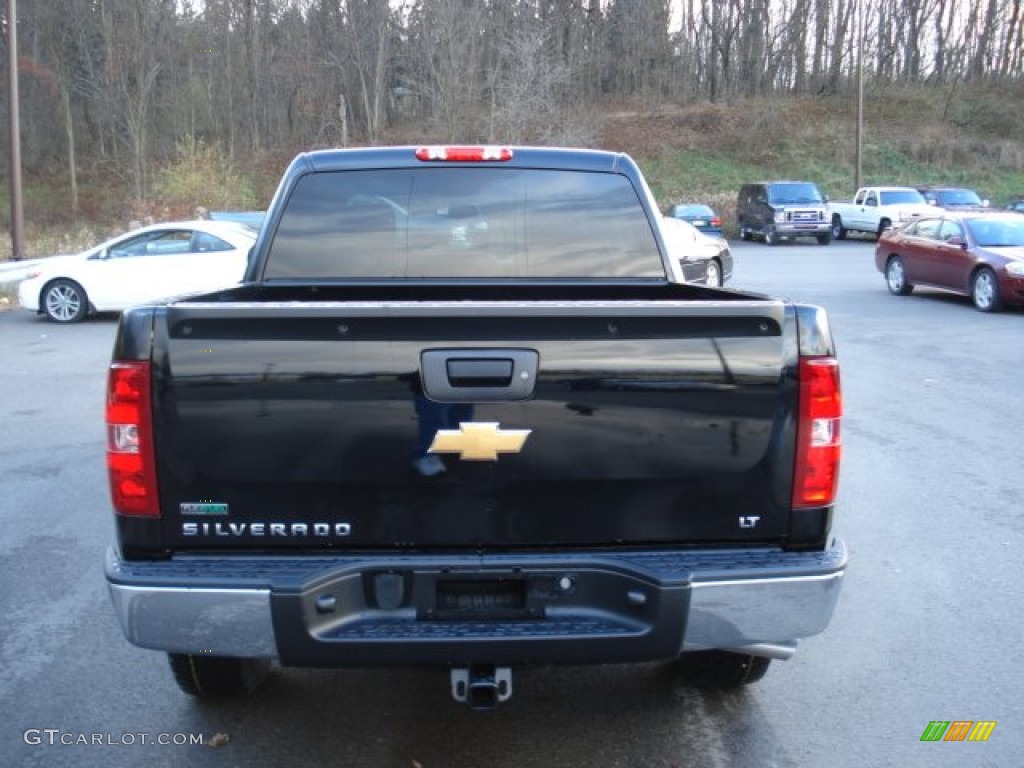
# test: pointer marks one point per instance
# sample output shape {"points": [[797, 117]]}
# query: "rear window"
{"points": [[955, 197], [682, 211], [463, 222], [896, 196]]}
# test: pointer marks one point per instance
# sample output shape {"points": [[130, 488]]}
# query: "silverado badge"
{"points": [[479, 441]]}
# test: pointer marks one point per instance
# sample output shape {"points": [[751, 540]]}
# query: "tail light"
{"points": [[130, 458], [818, 443], [716, 222]]}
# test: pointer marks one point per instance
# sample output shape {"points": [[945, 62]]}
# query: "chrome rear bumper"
{"points": [[622, 606]]}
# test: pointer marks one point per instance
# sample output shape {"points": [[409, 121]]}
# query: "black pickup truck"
{"points": [[464, 412]]}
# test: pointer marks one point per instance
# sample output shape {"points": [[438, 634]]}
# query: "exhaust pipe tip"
{"points": [[780, 651]]}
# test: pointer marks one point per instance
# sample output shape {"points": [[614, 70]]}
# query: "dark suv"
{"points": [[953, 198], [778, 210]]}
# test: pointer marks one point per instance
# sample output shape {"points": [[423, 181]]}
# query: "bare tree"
{"points": [[130, 29], [60, 33], [528, 87], [1013, 37], [368, 38], [982, 59], [446, 74]]}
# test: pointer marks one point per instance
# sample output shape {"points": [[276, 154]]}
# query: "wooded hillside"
{"points": [[129, 85]]}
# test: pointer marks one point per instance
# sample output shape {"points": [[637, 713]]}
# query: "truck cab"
{"points": [[875, 209]]}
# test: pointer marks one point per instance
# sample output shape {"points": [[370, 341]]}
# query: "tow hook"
{"points": [[481, 686]]}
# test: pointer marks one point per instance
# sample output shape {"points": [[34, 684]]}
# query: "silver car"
{"points": [[704, 259]]}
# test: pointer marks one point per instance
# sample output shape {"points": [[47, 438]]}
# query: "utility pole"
{"points": [[17, 217], [860, 95]]}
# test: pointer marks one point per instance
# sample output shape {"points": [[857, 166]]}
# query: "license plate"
{"points": [[699, 223]]}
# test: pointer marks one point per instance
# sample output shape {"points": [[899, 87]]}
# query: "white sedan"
{"points": [[704, 258], [148, 264]]}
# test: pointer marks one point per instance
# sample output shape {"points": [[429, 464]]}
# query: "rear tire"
{"points": [[838, 230], [985, 291], [770, 236], [744, 232], [896, 277], [217, 677], [721, 669]]}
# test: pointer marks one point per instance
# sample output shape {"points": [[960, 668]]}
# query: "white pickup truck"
{"points": [[875, 209]]}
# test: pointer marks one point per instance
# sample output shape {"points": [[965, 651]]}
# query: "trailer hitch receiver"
{"points": [[481, 686]]}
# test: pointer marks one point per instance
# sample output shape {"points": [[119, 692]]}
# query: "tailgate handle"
{"points": [[478, 375]]}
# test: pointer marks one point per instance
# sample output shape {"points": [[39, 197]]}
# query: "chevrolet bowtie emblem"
{"points": [[479, 441]]}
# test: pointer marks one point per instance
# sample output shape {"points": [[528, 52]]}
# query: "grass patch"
{"points": [[698, 152], [715, 150]]}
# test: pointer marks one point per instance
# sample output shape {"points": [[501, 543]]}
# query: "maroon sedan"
{"points": [[977, 254]]}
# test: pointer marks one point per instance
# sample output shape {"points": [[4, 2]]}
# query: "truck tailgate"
{"points": [[649, 422]]}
